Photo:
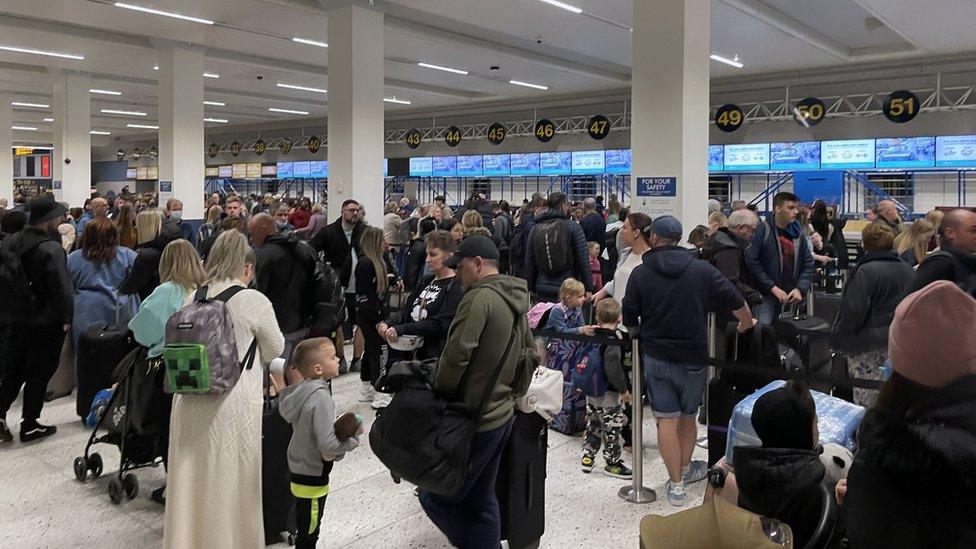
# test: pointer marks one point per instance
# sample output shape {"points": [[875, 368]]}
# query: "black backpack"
{"points": [[502, 232], [610, 245], [326, 301], [551, 246], [516, 250], [16, 291]]}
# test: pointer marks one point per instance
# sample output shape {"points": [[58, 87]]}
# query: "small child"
{"points": [[567, 315], [596, 270], [604, 415], [314, 446]]}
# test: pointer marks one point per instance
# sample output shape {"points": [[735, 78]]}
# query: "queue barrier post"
{"points": [[637, 492], [712, 328]]}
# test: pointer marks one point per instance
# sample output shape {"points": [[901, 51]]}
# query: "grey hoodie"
{"points": [[309, 408]]}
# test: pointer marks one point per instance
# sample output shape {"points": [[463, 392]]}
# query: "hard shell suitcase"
{"points": [[521, 484], [277, 501], [100, 349], [723, 395]]}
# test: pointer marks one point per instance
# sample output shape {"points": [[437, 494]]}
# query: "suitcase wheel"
{"points": [[95, 465], [291, 539], [131, 485], [81, 469], [115, 490]]}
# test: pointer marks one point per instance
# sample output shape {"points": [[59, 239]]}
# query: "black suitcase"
{"points": [[521, 484], [723, 395], [279, 508], [100, 349], [826, 306], [809, 338]]}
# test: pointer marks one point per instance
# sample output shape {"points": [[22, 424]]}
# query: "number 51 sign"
{"points": [[900, 106]]}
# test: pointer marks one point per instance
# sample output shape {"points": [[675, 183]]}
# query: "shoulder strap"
{"points": [[252, 352], [501, 364], [201, 294], [228, 293]]}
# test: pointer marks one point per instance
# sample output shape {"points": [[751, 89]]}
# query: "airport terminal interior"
{"points": [[673, 197]]}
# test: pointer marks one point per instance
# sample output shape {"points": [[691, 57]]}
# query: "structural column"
{"points": [[181, 148], [6, 144], [355, 117], [669, 126], [71, 161]]}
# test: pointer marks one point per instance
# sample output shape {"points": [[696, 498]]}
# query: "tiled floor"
{"points": [[42, 505]]}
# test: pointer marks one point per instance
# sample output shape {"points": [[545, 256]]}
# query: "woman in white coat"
{"points": [[214, 478]]}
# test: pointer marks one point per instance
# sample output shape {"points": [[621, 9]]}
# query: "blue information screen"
{"points": [[853, 154], [746, 158], [525, 164], [319, 169], [588, 162], [421, 166], [618, 161], [716, 158], [445, 166], [286, 170], [556, 163], [955, 151], [468, 166], [905, 152], [303, 169], [803, 155], [498, 164], [386, 167]]}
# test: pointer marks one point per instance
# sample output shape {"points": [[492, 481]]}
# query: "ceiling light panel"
{"points": [[171, 14], [36, 147], [216, 120], [142, 126], [397, 101], [287, 111], [302, 88], [49, 120], [310, 42], [17, 49], [442, 68], [215, 103], [211, 75], [567, 7], [528, 85], [99, 132], [104, 92], [24, 128], [31, 105], [733, 62], [123, 113]]}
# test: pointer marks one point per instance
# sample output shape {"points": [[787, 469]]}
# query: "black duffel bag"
{"points": [[425, 439]]}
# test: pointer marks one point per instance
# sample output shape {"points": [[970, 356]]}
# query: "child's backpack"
{"points": [[588, 375], [539, 314], [201, 349]]}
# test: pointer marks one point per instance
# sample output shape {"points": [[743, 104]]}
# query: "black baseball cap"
{"points": [[44, 208], [473, 246]]}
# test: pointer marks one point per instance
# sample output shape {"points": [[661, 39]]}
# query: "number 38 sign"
{"points": [[901, 106], [729, 118]]}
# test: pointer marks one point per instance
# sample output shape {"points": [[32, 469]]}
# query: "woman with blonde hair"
{"points": [[472, 219], [913, 245], [935, 218], [373, 278], [222, 433], [716, 221], [154, 235], [125, 219], [211, 224]]}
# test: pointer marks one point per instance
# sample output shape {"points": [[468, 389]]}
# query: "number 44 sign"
{"points": [[657, 196]]}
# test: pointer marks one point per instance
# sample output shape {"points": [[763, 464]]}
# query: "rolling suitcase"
{"points": [[809, 339], [826, 306], [100, 349], [521, 483], [62, 383], [277, 502]]}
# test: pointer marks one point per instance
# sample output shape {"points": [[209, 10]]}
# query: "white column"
{"points": [[6, 142], [355, 118], [669, 127], [71, 161], [181, 146]]}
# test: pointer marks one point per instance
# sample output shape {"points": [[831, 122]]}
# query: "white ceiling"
{"points": [[582, 54]]}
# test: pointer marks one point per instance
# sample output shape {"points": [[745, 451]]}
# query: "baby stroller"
{"points": [[136, 419]]}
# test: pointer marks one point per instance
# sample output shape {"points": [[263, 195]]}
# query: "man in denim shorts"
{"points": [[669, 297]]}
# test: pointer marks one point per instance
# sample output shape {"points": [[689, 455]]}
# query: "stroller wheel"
{"points": [[95, 465], [81, 469], [115, 490], [131, 485]]}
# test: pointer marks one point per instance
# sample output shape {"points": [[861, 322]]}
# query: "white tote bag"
{"points": [[545, 394]]}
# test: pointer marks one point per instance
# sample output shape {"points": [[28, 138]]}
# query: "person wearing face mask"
{"points": [[33, 353], [174, 214]]}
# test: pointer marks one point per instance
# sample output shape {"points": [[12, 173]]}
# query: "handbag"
{"points": [[427, 440], [545, 394]]}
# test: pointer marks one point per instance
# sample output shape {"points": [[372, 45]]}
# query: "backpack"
{"points": [[516, 250], [588, 374], [551, 246], [326, 299], [16, 291], [200, 354], [610, 246], [502, 232], [538, 315], [404, 232]]}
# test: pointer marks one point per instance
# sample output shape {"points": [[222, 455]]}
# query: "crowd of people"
{"points": [[448, 284]]}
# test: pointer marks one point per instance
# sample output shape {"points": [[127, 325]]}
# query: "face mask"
{"points": [[176, 215]]}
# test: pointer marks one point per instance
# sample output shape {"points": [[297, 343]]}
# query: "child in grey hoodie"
{"points": [[314, 445]]}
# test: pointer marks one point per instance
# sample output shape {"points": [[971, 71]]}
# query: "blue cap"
{"points": [[667, 226]]}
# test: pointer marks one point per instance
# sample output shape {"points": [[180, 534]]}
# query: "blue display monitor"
{"points": [[804, 155], [750, 157], [849, 154], [421, 166], [498, 164], [905, 152], [470, 166], [386, 167], [286, 170], [319, 169], [618, 161], [588, 162], [556, 163], [955, 151], [525, 164], [303, 169], [445, 166], [716, 158]]}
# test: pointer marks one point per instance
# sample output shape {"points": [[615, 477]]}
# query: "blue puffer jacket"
{"points": [[548, 286], [765, 264]]}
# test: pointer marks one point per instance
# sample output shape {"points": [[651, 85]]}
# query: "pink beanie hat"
{"points": [[932, 340]]}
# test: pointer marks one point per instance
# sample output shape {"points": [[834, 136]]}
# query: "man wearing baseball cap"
{"points": [[35, 255], [668, 299]]}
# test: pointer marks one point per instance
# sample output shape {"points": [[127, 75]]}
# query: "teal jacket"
{"points": [[149, 324]]}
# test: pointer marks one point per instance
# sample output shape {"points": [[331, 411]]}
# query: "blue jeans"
{"points": [[675, 389], [471, 519], [769, 310]]}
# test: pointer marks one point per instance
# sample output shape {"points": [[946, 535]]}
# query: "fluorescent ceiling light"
{"points": [[397, 101], [155, 67], [142, 126], [440, 68], [215, 103], [211, 75], [34, 105], [287, 111], [310, 42], [558, 4], [734, 62], [124, 113], [99, 132], [164, 13], [217, 120], [42, 52], [49, 120], [105, 92], [528, 85], [302, 88], [24, 128], [38, 147]]}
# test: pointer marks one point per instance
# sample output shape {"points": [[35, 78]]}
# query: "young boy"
{"points": [[605, 418], [308, 406]]}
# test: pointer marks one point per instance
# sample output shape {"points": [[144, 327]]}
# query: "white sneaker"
{"points": [[366, 392], [382, 400]]}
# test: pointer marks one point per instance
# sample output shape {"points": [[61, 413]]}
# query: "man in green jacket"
{"points": [[493, 306]]}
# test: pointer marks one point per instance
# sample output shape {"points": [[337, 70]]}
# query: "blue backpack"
{"points": [[588, 375]]}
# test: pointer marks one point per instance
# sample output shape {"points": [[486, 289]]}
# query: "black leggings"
{"points": [[374, 352]]}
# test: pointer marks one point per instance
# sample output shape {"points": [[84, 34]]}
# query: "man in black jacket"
{"points": [[956, 261], [34, 351], [593, 225], [566, 246], [726, 251]]}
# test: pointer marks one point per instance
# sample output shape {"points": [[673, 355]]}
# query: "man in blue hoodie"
{"points": [[668, 299], [556, 250], [779, 260]]}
